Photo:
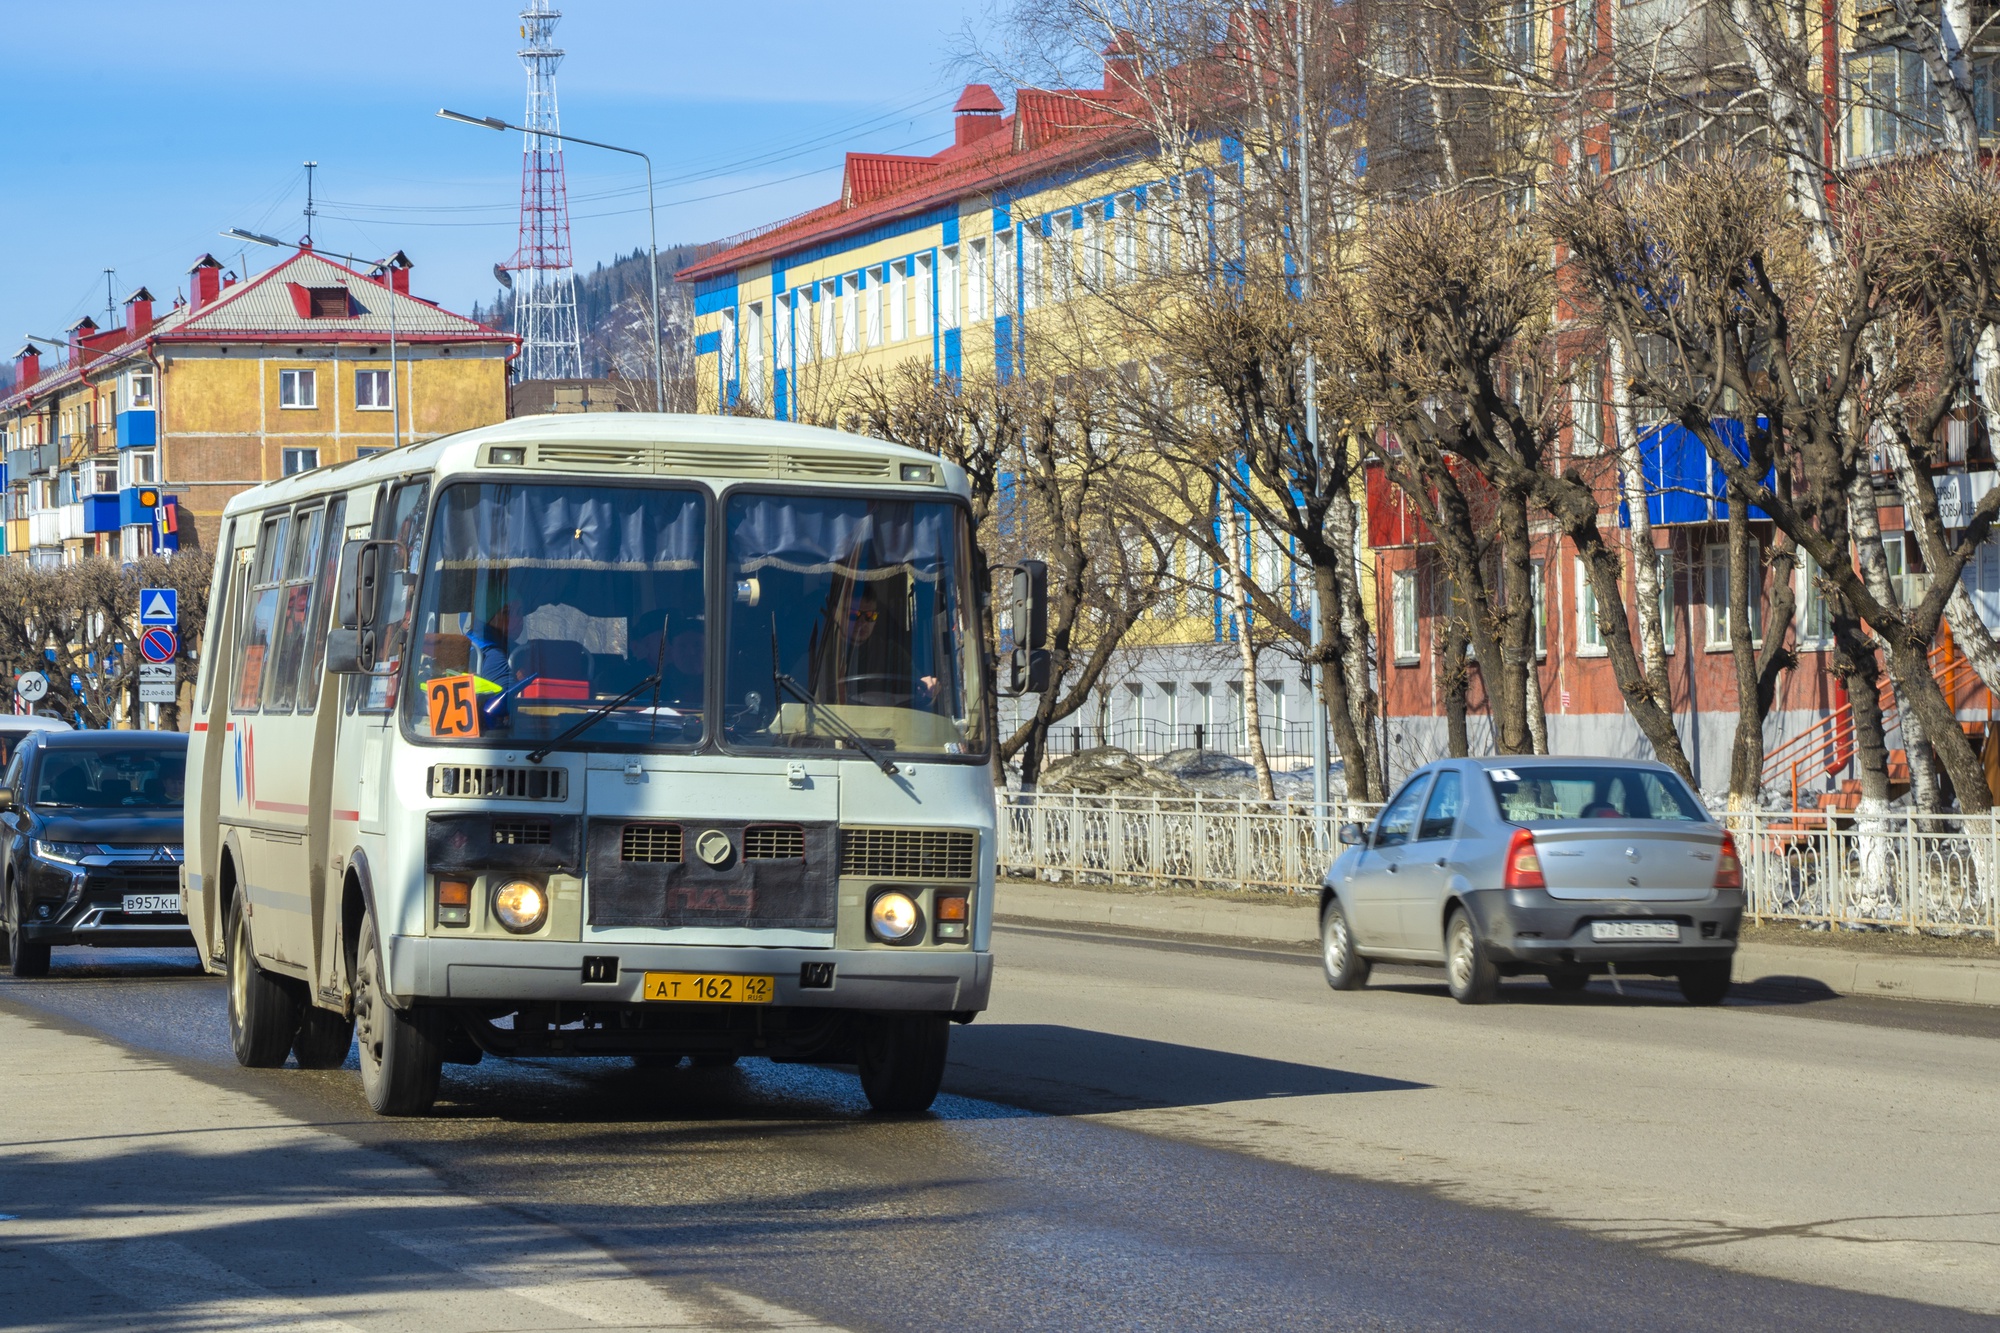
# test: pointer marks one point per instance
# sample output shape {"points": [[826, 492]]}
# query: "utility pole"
{"points": [[1311, 386], [310, 211]]}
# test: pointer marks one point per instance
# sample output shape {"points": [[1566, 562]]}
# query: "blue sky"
{"points": [[139, 129]]}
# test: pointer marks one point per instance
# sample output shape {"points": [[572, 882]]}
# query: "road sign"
{"points": [[32, 686], [159, 606], [159, 644], [156, 682]]}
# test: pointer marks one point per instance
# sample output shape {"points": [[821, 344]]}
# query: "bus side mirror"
{"points": [[1027, 607], [6, 799], [367, 571]]}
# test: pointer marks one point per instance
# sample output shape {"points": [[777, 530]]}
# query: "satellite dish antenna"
{"points": [[503, 277]]}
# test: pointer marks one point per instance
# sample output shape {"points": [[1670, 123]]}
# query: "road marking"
{"points": [[187, 1289]]}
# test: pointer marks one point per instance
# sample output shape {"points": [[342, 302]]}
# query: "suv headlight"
{"points": [[68, 853]]}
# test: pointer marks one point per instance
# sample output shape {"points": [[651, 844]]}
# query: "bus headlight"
{"points": [[892, 917], [520, 906]]}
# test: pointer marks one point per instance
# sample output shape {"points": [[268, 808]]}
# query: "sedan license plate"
{"points": [[707, 988], [1635, 930], [137, 903]]}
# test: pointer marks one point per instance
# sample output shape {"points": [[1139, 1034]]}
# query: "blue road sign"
{"points": [[159, 606]]}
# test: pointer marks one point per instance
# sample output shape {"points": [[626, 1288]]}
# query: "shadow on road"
{"points": [[1059, 1070]]}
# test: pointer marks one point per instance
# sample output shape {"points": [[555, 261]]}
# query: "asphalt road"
{"points": [[1138, 1135]]}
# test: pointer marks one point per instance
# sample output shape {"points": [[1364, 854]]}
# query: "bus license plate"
{"points": [[707, 988], [1635, 930], [136, 903]]}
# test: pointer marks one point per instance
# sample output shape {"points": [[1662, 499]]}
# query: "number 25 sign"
{"points": [[454, 705]]}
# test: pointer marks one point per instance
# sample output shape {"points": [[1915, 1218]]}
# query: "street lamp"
{"points": [[652, 224]]}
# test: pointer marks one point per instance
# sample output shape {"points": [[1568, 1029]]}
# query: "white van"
{"points": [[598, 734]]}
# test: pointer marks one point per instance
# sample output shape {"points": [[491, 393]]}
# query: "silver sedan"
{"points": [[1560, 866]]}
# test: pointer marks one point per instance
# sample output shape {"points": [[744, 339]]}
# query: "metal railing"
{"points": [[1914, 872], [1282, 740], [1175, 842]]}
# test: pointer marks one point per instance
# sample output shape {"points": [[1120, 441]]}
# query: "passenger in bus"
{"points": [[495, 640]]}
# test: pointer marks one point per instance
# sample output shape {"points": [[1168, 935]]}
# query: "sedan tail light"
{"points": [[1728, 869], [1524, 867]]}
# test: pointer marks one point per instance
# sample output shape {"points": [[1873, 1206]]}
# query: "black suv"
{"points": [[92, 850]]}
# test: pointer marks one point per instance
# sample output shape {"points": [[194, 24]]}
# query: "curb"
{"points": [[1294, 927]]}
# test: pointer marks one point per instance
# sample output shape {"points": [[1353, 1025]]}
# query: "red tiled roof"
{"points": [[1049, 128]]}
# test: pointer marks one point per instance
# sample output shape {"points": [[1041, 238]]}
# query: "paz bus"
{"points": [[625, 734]]}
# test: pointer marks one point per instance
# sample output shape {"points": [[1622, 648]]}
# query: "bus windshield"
{"points": [[850, 616], [544, 602]]}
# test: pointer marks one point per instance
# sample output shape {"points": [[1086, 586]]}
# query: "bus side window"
{"points": [[321, 616], [218, 602], [295, 590], [260, 610], [402, 519]]}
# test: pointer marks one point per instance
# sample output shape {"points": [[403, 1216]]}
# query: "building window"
{"points": [[1031, 266], [327, 303], [1403, 610], [1910, 588], [922, 297], [802, 319], [1589, 635], [850, 328], [975, 281], [1204, 706], [1090, 245], [1587, 409], [1716, 560], [1006, 275], [140, 467], [1125, 240], [1538, 593], [753, 353], [783, 331], [1815, 625], [1663, 566], [141, 394], [1890, 100], [727, 359], [947, 287], [371, 390], [103, 477], [369, 451], [872, 301], [300, 460], [826, 312], [898, 302], [297, 388]]}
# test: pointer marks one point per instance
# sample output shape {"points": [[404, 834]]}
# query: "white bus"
{"points": [[655, 736]]}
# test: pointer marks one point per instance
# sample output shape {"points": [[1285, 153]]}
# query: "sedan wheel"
{"points": [[1468, 971], [1569, 980], [1706, 982], [1345, 968]]}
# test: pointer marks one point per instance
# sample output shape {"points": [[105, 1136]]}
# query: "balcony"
{"points": [[138, 427], [1683, 484], [100, 513], [25, 463], [45, 528]]}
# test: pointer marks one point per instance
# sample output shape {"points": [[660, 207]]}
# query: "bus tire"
{"points": [[902, 1060], [401, 1058], [324, 1039], [263, 1009]]}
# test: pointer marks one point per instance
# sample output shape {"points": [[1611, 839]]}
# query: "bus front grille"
{"points": [[774, 842], [908, 853], [650, 843], [512, 784]]}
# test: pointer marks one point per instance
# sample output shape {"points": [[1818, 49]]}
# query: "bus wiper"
{"points": [[536, 756], [847, 733]]}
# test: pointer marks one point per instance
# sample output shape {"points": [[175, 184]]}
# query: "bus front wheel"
{"points": [[902, 1060], [401, 1057], [263, 1009]]}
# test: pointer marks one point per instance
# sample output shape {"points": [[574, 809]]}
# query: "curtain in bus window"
{"points": [[288, 638], [402, 518], [595, 529], [860, 539]]}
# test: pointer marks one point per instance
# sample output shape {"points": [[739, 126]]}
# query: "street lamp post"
{"points": [[1311, 387], [652, 225]]}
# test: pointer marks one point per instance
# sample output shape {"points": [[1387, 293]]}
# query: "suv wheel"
{"points": [[1468, 971], [902, 1060], [1705, 982], [263, 1009], [24, 958], [401, 1057], [1345, 968]]}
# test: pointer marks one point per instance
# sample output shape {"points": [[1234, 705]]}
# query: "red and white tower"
{"points": [[545, 291]]}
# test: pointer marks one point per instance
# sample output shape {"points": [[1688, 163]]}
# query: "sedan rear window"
{"points": [[111, 779], [1549, 792]]}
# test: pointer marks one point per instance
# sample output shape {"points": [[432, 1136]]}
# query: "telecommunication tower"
{"points": [[545, 296]]}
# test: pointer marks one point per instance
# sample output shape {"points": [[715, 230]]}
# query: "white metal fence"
{"points": [[1924, 872]]}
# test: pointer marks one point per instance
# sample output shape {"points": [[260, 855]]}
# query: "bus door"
{"points": [[202, 835]]}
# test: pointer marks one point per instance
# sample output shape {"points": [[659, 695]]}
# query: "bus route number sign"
{"points": [[454, 705]]}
